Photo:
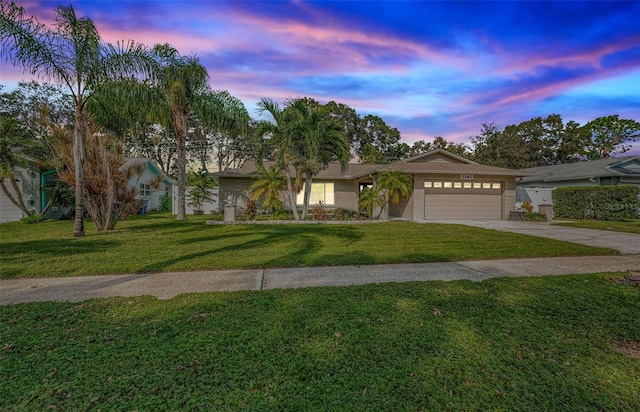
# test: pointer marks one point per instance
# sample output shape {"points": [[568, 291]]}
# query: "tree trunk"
{"points": [[17, 201], [181, 136], [292, 195], [307, 195], [78, 158]]}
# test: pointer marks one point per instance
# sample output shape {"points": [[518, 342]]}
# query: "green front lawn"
{"points": [[553, 343], [632, 226], [157, 243]]}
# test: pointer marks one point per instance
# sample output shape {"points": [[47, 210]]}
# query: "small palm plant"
{"points": [[268, 185], [399, 185], [371, 199]]}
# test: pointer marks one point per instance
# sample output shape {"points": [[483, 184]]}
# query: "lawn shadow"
{"points": [[14, 254], [308, 241]]}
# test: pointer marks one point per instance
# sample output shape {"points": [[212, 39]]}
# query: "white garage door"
{"points": [[462, 200]]}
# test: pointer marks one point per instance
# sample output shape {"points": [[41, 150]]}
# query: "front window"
{"points": [[319, 192], [145, 190]]}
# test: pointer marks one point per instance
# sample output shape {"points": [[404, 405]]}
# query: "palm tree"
{"points": [[317, 140], [180, 80], [73, 54], [369, 200], [269, 184], [279, 135], [399, 185], [306, 140]]}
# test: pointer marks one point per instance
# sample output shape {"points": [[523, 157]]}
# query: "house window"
{"points": [[362, 186], [495, 185], [324, 192], [145, 190], [427, 184]]}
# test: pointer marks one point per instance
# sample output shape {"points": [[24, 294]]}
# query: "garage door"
{"points": [[463, 200]]}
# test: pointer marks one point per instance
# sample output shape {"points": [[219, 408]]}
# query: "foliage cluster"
{"points": [[502, 344], [619, 202], [200, 184], [548, 141], [319, 212]]}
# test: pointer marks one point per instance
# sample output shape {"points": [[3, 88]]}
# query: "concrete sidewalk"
{"points": [[168, 285]]}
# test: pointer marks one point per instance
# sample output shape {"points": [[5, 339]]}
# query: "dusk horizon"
{"points": [[427, 68]]}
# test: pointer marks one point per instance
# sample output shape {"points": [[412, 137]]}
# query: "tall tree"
{"points": [[73, 54], [180, 80], [225, 128], [317, 140], [277, 138], [379, 143], [611, 135], [438, 142]]}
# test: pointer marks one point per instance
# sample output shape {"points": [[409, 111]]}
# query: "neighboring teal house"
{"points": [[32, 183]]}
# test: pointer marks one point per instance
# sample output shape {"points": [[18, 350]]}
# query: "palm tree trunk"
{"points": [[292, 195], [181, 136], [79, 152], [307, 195]]}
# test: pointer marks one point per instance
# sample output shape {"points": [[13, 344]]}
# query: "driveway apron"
{"points": [[625, 243]]}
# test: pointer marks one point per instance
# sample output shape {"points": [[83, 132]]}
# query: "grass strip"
{"points": [[632, 226], [157, 243], [504, 344]]}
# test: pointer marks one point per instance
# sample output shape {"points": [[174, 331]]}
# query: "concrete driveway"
{"points": [[625, 243]]}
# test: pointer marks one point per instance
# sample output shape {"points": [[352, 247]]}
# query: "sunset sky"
{"points": [[428, 68]]}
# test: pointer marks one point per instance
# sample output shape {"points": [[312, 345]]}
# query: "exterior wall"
{"points": [[346, 194], [207, 207], [29, 183], [233, 191], [153, 201], [8, 211]]}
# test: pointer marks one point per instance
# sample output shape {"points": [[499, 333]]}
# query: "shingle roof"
{"points": [[357, 170], [583, 170]]}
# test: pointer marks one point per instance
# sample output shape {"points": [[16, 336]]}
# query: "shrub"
{"points": [[617, 203], [535, 217], [319, 212], [165, 203], [526, 206], [31, 219]]}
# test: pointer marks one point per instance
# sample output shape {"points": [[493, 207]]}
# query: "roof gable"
{"points": [[585, 169], [628, 166], [438, 155]]}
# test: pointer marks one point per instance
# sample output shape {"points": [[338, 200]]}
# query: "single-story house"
{"points": [[446, 186], [148, 188], [536, 187]]}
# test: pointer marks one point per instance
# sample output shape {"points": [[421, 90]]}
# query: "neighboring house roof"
{"points": [[153, 166], [621, 166], [453, 164]]}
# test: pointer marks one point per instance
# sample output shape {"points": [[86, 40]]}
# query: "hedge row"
{"points": [[597, 202]]}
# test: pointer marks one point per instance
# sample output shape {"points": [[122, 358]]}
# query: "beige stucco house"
{"points": [[446, 186]]}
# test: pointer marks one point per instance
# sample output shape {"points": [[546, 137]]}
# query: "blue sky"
{"points": [[428, 68]]}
